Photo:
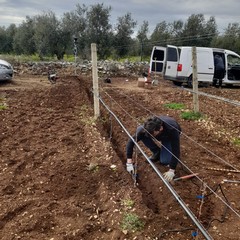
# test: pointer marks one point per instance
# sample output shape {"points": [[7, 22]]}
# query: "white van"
{"points": [[175, 64]]}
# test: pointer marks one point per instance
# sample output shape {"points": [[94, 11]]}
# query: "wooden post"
{"points": [[95, 80], [195, 80]]}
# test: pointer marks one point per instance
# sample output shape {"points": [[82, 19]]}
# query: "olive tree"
{"points": [[143, 39], [230, 38], [74, 25], [24, 38], [3, 40], [198, 32], [123, 34], [47, 35], [161, 33], [99, 29], [8, 38]]}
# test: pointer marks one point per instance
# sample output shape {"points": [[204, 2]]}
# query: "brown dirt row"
{"points": [[57, 175]]}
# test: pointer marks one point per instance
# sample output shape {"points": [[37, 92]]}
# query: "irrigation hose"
{"points": [[169, 186]]}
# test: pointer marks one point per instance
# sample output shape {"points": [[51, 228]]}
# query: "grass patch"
{"points": [[236, 141], [3, 107], [176, 106], [191, 115], [34, 58], [84, 116], [131, 222], [127, 203]]}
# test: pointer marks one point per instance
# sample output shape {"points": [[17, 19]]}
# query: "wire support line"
{"points": [[141, 106], [233, 102], [170, 40], [169, 186], [182, 133], [204, 183]]}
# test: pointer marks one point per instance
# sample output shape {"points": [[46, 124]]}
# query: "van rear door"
{"points": [[172, 58], [205, 64], [158, 58]]}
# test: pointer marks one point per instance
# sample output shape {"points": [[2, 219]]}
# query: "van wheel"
{"points": [[179, 84], [189, 82]]}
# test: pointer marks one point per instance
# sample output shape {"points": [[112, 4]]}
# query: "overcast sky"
{"points": [[153, 11]]}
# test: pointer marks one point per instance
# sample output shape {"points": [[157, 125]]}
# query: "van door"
{"points": [[158, 58], [205, 64], [171, 63]]}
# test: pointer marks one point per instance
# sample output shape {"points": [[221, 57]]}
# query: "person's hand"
{"points": [[130, 168], [169, 175]]}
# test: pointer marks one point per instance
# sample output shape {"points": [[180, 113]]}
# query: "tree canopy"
{"points": [[46, 35]]}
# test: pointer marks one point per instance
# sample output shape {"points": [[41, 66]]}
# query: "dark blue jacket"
{"points": [[218, 63], [171, 132]]}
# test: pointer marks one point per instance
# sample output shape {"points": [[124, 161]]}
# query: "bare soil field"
{"points": [[63, 173]]}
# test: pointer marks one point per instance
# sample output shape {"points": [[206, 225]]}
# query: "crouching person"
{"points": [[165, 130]]}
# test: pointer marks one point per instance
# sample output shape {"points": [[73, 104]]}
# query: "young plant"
{"points": [[3, 107], [236, 141], [127, 203], [84, 116], [176, 106], [131, 222], [191, 115], [3, 104]]}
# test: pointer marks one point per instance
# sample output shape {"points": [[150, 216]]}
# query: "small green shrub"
{"points": [[191, 115], [176, 106], [84, 116], [127, 203], [131, 222], [3, 107], [236, 141]]}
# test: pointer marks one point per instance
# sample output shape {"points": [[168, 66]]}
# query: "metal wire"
{"points": [[174, 193], [233, 102], [211, 190]]}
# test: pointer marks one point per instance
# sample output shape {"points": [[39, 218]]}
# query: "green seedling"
{"points": [[127, 203], [236, 141], [191, 115], [84, 116], [131, 222], [176, 106], [3, 107]]}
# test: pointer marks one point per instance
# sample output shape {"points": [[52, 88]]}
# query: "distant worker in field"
{"points": [[164, 129], [219, 70]]}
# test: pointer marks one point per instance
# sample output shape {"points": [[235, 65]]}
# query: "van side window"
{"points": [[233, 67], [158, 55], [172, 55], [233, 60]]}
